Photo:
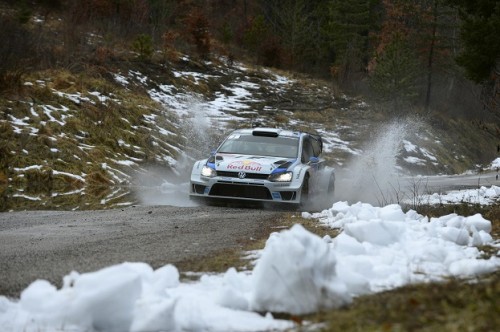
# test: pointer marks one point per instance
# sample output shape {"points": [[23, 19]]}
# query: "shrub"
{"points": [[255, 33], [3, 178], [39, 180], [102, 54], [98, 177], [271, 52], [198, 28], [143, 45], [168, 42]]}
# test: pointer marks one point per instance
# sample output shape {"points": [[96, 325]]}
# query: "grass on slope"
{"points": [[455, 305], [75, 129]]}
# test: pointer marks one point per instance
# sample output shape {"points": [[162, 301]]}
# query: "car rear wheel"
{"points": [[325, 199], [329, 198], [331, 186], [304, 193]]}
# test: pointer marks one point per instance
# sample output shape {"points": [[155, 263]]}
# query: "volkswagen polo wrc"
{"points": [[265, 165]]}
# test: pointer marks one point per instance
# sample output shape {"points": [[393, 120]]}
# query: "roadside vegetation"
{"points": [[454, 305]]}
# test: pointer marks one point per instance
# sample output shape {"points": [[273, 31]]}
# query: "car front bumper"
{"points": [[245, 189]]}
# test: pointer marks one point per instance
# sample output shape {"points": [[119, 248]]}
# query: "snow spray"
{"points": [[199, 130], [374, 176], [198, 135]]}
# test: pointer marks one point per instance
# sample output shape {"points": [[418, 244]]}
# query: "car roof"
{"points": [[278, 132], [269, 132]]}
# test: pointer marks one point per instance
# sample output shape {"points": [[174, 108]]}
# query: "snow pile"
{"points": [[495, 165], [383, 247], [297, 272], [482, 196], [134, 297]]}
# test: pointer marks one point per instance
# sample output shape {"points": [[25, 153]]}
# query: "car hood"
{"points": [[248, 163]]}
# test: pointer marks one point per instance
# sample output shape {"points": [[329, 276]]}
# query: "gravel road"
{"points": [[50, 244]]}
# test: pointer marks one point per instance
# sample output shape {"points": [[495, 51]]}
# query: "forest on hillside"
{"points": [[440, 56]]}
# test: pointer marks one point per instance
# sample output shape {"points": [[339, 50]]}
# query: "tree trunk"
{"points": [[430, 59]]}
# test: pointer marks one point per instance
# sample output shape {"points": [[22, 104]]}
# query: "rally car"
{"points": [[265, 165]]}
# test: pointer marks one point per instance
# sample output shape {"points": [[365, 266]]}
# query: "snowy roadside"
{"points": [[297, 272]]}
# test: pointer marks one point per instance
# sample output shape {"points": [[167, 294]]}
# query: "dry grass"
{"points": [[454, 305], [97, 123]]}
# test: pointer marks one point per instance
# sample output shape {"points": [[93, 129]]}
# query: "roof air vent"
{"points": [[267, 132]]}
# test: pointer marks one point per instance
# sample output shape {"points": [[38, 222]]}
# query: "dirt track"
{"points": [[50, 244]]}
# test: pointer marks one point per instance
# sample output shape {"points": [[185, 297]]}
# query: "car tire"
{"points": [[330, 193], [331, 187], [304, 193]]}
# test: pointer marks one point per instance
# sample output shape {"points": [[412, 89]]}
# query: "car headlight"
{"points": [[208, 172], [281, 177]]}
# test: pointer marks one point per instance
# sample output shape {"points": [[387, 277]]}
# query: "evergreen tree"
{"points": [[295, 24], [349, 23], [428, 26], [395, 76], [480, 35]]}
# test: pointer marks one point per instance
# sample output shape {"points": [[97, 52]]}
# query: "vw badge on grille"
{"points": [[242, 175]]}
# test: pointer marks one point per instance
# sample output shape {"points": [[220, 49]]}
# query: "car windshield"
{"points": [[285, 147]]}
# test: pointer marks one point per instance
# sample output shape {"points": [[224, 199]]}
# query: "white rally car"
{"points": [[265, 165]]}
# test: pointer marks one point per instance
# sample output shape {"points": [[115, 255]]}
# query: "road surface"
{"points": [[50, 244]]}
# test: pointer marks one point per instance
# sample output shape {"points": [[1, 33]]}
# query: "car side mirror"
{"points": [[313, 160]]}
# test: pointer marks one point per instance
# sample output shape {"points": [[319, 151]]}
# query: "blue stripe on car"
{"points": [[280, 169]]}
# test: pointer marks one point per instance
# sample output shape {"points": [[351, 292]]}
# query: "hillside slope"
{"points": [[78, 140]]}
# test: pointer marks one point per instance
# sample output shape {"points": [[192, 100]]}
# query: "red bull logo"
{"points": [[245, 165]]}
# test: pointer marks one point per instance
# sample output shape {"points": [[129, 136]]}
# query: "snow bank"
{"points": [[133, 297], [482, 196], [495, 164], [383, 248], [297, 272]]}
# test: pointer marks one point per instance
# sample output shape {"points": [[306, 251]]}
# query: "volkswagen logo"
{"points": [[242, 175]]}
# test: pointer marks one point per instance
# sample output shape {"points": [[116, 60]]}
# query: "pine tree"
{"points": [[480, 33], [348, 26], [295, 24], [396, 74], [428, 27], [480, 57]]}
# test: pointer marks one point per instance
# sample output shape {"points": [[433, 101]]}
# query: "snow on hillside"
{"points": [[192, 102], [184, 102], [297, 272]]}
